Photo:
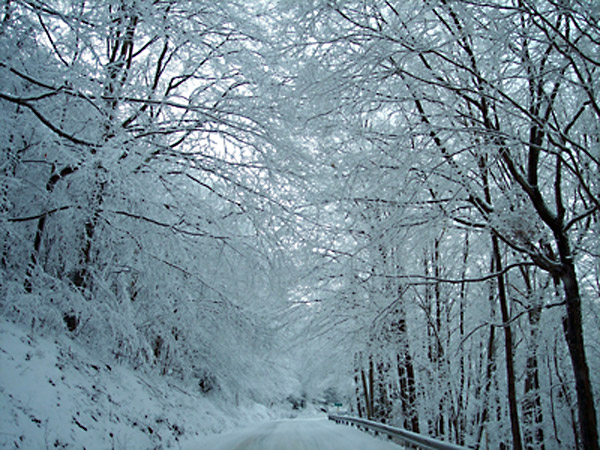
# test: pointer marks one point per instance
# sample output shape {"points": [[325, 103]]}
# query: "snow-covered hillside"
{"points": [[55, 394]]}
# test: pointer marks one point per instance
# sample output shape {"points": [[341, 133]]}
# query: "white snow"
{"points": [[294, 434], [56, 394]]}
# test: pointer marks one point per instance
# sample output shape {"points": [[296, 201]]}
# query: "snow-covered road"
{"points": [[294, 434]]}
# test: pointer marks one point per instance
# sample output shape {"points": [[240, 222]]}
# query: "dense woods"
{"points": [[132, 195], [407, 188]]}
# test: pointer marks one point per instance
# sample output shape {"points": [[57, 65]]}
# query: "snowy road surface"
{"points": [[296, 434]]}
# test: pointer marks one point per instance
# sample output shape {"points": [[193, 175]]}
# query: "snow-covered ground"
{"points": [[294, 434], [55, 394]]}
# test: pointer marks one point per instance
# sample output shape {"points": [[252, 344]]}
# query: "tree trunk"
{"points": [[408, 392], [508, 348], [384, 410], [574, 335], [366, 394], [371, 387], [359, 408], [533, 434], [490, 370], [460, 421]]}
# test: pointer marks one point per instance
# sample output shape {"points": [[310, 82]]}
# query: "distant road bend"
{"points": [[295, 434]]}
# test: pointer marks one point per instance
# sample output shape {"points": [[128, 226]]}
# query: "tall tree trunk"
{"points": [[406, 373], [532, 406], [384, 410], [460, 420], [366, 395], [574, 335], [508, 349], [408, 392], [490, 370], [357, 370], [371, 387], [440, 428]]}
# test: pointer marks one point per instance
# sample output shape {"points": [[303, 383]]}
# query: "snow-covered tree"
{"points": [[472, 116], [134, 183]]}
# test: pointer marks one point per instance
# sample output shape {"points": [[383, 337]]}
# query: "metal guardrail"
{"points": [[407, 436]]}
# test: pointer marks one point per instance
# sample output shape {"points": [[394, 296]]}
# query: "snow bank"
{"points": [[55, 394]]}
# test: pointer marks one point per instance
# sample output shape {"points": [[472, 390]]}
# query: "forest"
{"points": [[397, 201]]}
